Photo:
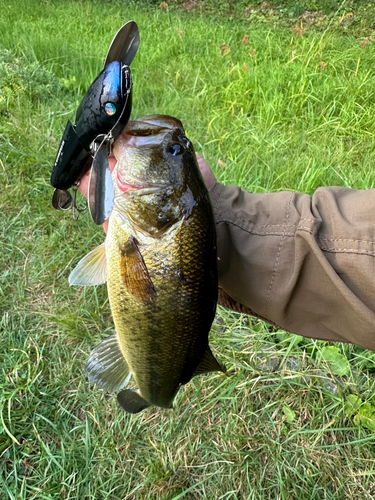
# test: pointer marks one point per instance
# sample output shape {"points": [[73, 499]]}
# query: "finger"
{"points": [[84, 183], [207, 174], [112, 163]]}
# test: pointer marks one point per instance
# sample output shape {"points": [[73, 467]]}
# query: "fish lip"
{"points": [[125, 186], [148, 188]]}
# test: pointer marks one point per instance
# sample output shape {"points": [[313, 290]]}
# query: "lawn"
{"points": [[273, 103]]}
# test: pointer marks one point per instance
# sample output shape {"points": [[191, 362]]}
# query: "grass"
{"points": [[282, 111], [354, 17]]}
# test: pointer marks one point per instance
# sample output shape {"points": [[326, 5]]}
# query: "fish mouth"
{"points": [[126, 186], [134, 185]]}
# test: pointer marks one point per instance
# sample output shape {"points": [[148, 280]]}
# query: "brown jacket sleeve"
{"points": [[305, 264]]}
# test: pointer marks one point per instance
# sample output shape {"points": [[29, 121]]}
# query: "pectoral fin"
{"points": [[91, 270], [209, 364], [107, 367], [131, 401], [134, 272]]}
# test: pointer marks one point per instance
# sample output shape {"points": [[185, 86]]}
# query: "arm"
{"points": [[305, 264]]}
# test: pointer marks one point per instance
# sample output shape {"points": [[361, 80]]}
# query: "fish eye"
{"points": [[176, 149]]}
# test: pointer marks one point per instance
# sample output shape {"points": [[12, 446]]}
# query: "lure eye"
{"points": [[176, 149]]}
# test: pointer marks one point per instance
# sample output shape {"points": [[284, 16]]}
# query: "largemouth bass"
{"points": [[159, 262]]}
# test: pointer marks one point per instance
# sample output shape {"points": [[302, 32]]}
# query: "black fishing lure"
{"points": [[101, 116]]}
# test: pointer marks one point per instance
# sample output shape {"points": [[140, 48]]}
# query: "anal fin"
{"points": [[131, 401], [209, 364], [106, 365]]}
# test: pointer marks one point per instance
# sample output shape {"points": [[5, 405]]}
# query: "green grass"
{"points": [[297, 113]]}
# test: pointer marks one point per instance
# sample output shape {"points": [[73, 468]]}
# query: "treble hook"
{"points": [[75, 209], [63, 200]]}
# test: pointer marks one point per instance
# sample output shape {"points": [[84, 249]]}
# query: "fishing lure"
{"points": [[100, 118]]}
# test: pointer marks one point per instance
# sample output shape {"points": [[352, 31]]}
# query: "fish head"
{"points": [[156, 178]]}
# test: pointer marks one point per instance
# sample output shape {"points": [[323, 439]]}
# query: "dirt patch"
{"points": [[192, 4]]}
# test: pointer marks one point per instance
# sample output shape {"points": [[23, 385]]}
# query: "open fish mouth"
{"points": [[125, 186], [134, 185]]}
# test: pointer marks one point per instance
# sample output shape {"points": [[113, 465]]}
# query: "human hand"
{"points": [[207, 174]]}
